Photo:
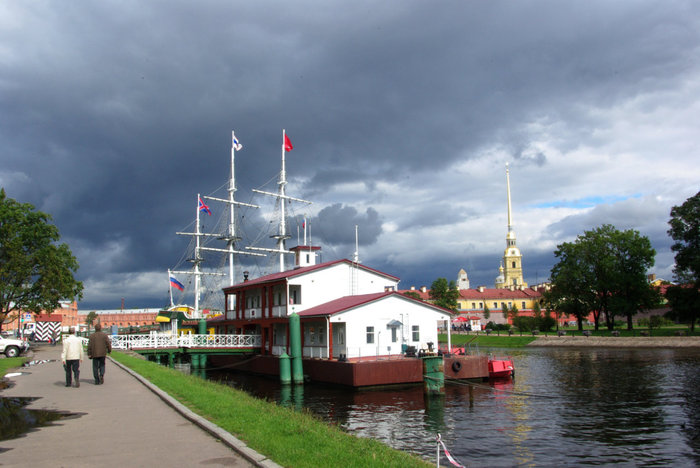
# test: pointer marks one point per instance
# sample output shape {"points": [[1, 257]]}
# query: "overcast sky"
{"points": [[403, 115]]}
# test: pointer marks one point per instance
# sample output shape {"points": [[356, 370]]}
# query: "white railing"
{"points": [[154, 341]]}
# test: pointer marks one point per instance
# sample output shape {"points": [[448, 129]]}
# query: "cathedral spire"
{"points": [[510, 212], [511, 270]]}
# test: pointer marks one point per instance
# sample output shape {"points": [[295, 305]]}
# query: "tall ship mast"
{"points": [[230, 237], [282, 198]]}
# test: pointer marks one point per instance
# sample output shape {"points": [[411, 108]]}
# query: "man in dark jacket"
{"points": [[99, 346]]}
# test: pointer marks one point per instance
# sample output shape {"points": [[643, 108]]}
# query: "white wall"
{"points": [[321, 286], [378, 314]]}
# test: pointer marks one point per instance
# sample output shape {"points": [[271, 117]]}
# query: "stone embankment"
{"points": [[619, 342]]}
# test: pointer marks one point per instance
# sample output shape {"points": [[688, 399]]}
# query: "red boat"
{"points": [[501, 368]]}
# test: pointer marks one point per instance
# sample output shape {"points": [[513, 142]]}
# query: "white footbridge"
{"points": [[166, 341]]}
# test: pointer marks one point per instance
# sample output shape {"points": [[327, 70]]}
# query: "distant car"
{"points": [[13, 347]]}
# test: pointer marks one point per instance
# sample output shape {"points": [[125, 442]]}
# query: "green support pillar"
{"points": [[285, 369], [194, 359], [295, 347], [433, 375], [202, 327], [171, 360]]}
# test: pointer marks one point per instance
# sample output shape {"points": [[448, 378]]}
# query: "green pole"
{"points": [[285, 369], [433, 375], [295, 347]]}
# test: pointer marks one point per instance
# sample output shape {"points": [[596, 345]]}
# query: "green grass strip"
{"points": [[503, 341], [11, 363], [290, 438]]}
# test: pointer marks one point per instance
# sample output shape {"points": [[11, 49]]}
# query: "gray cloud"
{"points": [[114, 115]]}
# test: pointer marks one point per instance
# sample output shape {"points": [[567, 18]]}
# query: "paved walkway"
{"points": [[120, 423]]}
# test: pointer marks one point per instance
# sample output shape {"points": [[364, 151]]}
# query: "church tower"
{"points": [[462, 280], [511, 271]]}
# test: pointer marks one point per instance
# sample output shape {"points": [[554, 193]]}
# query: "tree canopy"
{"points": [[36, 272], [603, 272], [685, 231], [444, 294]]}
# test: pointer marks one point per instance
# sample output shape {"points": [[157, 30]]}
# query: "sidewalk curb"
{"points": [[235, 444]]}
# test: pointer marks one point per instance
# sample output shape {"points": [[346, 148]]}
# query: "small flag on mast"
{"points": [[204, 207], [176, 284], [236, 144], [287, 143]]}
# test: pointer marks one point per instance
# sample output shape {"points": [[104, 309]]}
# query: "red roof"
{"points": [[350, 302], [301, 271], [48, 318], [494, 293]]}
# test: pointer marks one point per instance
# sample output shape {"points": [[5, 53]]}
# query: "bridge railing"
{"points": [[155, 340]]}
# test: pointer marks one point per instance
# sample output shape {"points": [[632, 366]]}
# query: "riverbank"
{"points": [[617, 342]]}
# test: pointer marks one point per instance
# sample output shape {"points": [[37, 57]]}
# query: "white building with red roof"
{"points": [[347, 310]]}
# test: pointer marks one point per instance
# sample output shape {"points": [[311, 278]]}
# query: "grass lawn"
{"points": [[503, 341], [10, 363], [288, 437]]}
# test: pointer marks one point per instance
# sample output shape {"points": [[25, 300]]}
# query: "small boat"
{"points": [[501, 368]]}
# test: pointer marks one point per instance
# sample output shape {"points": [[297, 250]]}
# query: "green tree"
{"points": [[631, 291], [505, 311], [444, 294], [90, 318], [412, 294], [603, 272], [685, 231], [36, 272], [487, 312], [571, 278], [513, 312]]}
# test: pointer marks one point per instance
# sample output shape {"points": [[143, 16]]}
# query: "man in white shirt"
{"points": [[72, 356]]}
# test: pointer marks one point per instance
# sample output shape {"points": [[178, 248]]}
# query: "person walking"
{"points": [[99, 345], [72, 356]]}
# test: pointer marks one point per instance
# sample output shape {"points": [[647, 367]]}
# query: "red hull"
{"points": [[501, 368]]}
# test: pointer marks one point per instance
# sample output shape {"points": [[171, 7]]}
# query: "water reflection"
{"points": [[16, 420], [566, 406]]}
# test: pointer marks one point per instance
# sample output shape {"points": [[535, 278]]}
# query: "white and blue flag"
{"points": [[236, 144]]}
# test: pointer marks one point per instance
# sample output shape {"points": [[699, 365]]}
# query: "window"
{"points": [[513, 265], [312, 335], [295, 294], [522, 305], [415, 332], [473, 305], [481, 305], [495, 304], [370, 335], [394, 335]]}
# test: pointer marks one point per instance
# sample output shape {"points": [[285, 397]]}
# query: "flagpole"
{"points": [[282, 184], [197, 233], [232, 221], [170, 289]]}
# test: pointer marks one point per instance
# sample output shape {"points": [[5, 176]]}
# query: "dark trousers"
{"points": [[72, 368], [98, 368]]}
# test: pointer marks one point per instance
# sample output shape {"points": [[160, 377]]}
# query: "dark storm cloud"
{"points": [[114, 115], [336, 225]]}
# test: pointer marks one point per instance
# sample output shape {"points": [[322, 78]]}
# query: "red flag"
{"points": [[287, 143]]}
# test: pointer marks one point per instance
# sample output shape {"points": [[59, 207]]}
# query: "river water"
{"points": [[565, 407]]}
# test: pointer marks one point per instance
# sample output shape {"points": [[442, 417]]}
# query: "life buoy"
{"points": [[456, 366]]}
